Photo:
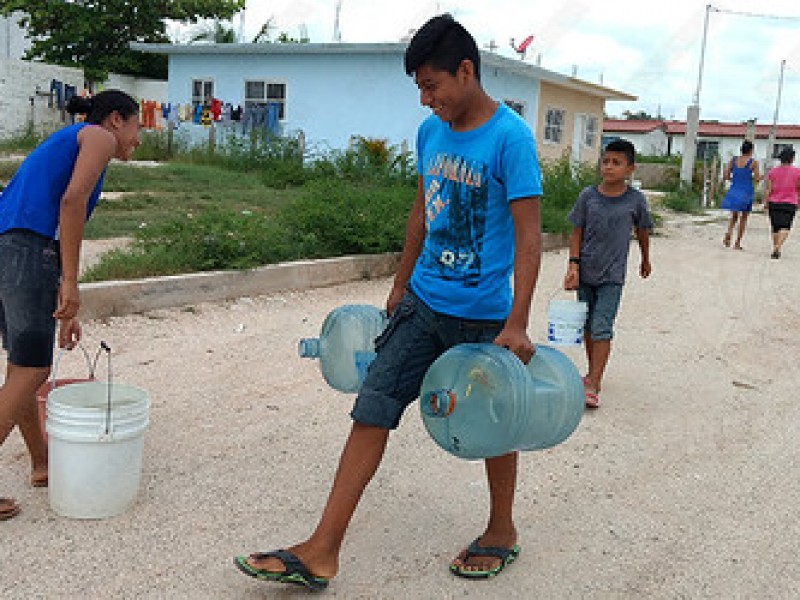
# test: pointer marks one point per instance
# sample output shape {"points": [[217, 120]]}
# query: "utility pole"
{"points": [[774, 129], [693, 114]]}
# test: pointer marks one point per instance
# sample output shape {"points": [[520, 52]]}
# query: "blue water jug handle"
{"points": [[439, 403], [363, 360]]}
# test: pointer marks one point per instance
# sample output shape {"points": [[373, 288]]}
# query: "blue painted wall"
{"points": [[333, 96]]}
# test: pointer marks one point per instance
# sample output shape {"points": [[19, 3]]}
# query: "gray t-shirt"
{"points": [[607, 222]]}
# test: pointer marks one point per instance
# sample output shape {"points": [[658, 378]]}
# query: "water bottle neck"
{"points": [[308, 348]]}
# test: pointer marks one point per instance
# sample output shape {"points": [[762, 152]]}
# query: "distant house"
{"points": [[666, 138], [333, 92]]}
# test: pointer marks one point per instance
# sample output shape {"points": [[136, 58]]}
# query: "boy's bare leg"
{"points": [[360, 458], [587, 346], [501, 473], [601, 350], [740, 233]]}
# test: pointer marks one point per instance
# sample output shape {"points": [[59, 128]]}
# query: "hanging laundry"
{"points": [[272, 122], [57, 89], [216, 109]]}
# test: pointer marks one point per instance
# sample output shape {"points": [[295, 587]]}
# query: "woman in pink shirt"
{"points": [[780, 198]]}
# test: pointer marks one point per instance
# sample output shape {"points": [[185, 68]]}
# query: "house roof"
{"points": [[712, 129], [489, 60], [632, 126]]}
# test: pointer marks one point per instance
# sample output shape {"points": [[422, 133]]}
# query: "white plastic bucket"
{"points": [[565, 322], [95, 447]]}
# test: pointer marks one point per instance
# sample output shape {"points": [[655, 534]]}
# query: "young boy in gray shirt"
{"points": [[603, 217]]}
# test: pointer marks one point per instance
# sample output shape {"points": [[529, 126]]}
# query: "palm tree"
{"points": [[216, 33]]}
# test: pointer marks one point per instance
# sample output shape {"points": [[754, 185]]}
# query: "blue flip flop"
{"points": [[295, 571], [506, 556]]}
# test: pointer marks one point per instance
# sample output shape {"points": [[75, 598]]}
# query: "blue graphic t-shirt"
{"points": [[469, 179]]}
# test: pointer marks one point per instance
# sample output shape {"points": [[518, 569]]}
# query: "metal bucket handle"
{"points": [[92, 365]]}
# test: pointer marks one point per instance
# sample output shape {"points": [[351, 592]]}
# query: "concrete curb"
{"points": [[117, 298]]}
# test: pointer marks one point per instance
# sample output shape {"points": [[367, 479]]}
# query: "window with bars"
{"points": [[590, 133], [554, 125], [778, 148], [202, 90], [259, 93]]}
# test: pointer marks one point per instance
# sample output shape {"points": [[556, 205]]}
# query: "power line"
{"points": [[744, 13]]}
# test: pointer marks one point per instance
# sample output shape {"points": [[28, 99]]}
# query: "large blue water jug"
{"points": [[346, 345], [480, 400]]}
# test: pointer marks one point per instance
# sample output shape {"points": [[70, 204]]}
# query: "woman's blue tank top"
{"points": [[32, 199]]}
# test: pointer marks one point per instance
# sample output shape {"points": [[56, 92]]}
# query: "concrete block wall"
{"points": [[20, 80]]}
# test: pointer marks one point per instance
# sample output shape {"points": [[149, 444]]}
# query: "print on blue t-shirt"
{"points": [[455, 242], [469, 179]]}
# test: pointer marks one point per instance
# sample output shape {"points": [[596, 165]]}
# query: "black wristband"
{"points": [[575, 260]]}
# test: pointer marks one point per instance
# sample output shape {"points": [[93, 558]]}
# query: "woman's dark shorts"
{"points": [[29, 275], [781, 215], [414, 338]]}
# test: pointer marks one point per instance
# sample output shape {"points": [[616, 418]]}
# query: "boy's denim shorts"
{"points": [[414, 337], [603, 302], [30, 269]]}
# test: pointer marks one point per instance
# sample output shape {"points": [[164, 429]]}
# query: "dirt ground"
{"points": [[683, 485]]}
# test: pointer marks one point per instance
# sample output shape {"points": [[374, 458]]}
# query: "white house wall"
{"points": [[26, 86], [139, 88], [333, 97], [13, 42]]}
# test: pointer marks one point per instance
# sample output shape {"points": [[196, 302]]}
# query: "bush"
{"points": [[562, 182], [326, 220], [683, 199], [348, 218]]}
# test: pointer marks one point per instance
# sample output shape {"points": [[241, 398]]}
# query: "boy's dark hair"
{"points": [[623, 146], [443, 43], [747, 147], [786, 155], [98, 107]]}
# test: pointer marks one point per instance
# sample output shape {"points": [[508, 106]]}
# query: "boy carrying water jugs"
{"points": [[475, 220], [603, 217]]}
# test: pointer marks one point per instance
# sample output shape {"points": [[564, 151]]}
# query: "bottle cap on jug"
{"points": [[308, 348]]}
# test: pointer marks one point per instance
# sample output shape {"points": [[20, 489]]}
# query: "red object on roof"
{"points": [[524, 44], [706, 128]]}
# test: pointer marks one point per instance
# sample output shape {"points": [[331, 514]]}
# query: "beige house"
{"points": [[570, 118]]}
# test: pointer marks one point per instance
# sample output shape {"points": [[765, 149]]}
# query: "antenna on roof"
{"points": [[337, 32]]}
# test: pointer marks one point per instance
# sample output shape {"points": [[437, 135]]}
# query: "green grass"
{"points": [[255, 202], [161, 194]]}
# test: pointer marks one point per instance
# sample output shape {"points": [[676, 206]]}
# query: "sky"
{"points": [[647, 48]]}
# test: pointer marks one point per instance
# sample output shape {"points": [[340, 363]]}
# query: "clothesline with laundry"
{"points": [[157, 115]]}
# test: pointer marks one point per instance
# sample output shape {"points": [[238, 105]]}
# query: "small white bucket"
{"points": [[565, 322], [96, 439]]}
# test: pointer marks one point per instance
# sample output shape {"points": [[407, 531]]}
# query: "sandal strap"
{"points": [[492, 551], [291, 563]]}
